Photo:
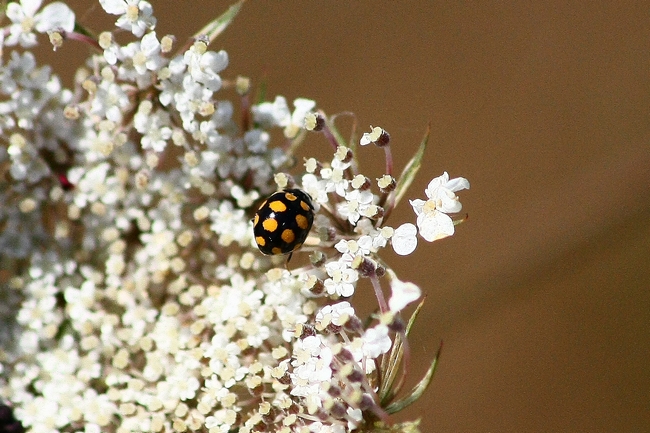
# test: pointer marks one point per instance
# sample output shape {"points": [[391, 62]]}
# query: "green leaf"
{"points": [[414, 316], [391, 363], [417, 390], [390, 366], [410, 170], [78, 28], [215, 27]]}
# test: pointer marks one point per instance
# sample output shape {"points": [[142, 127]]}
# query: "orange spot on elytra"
{"points": [[277, 206], [288, 236], [302, 222], [270, 225]]}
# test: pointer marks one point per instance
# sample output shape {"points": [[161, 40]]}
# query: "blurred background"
{"points": [[542, 297]]}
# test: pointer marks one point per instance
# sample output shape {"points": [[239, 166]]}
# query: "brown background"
{"points": [[542, 297]]}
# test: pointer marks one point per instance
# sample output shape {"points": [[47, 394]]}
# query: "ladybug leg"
{"points": [[286, 264]]}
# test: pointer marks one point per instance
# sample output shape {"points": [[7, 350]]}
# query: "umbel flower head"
{"points": [[135, 297]]}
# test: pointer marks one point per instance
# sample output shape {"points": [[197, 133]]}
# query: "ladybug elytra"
{"points": [[282, 222]]}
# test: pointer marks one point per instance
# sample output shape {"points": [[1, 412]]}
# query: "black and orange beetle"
{"points": [[282, 222]]}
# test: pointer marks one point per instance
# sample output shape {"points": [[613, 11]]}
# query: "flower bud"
{"points": [[314, 122], [386, 183]]}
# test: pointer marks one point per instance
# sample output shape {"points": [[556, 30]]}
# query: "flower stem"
{"points": [[328, 134], [74, 36], [383, 306], [389, 160]]}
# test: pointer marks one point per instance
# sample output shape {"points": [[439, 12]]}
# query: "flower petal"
{"points": [[436, 182], [434, 226], [404, 239], [417, 204], [53, 16], [403, 293], [457, 184], [113, 7]]}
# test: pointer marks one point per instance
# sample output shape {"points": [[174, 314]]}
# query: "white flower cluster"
{"points": [[433, 220], [137, 299]]}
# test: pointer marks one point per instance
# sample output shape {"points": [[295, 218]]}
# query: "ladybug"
{"points": [[282, 222]]}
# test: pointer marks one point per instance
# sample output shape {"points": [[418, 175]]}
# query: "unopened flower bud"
{"points": [[333, 390], [354, 324], [326, 234], [338, 410], [317, 259], [377, 136], [344, 355], [352, 374], [56, 38], [90, 85], [397, 325], [367, 267], [361, 182], [284, 180], [315, 285], [142, 179], [306, 331], [201, 44], [383, 140], [105, 39], [333, 328], [312, 165], [343, 154], [166, 43], [285, 379], [375, 212], [242, 85], [71, 112], [386, 183], [366, 402], [314, 122]]}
